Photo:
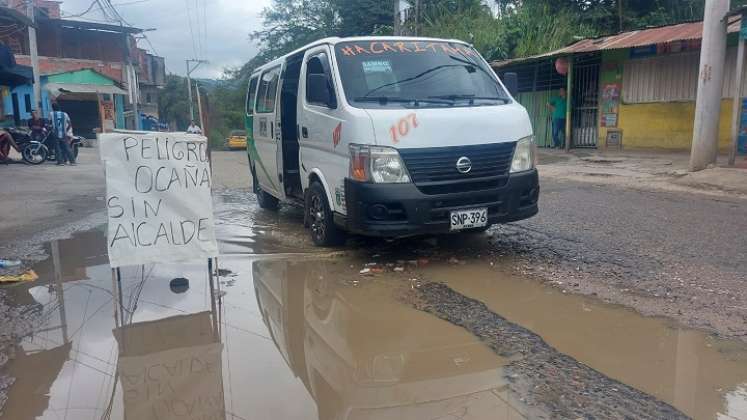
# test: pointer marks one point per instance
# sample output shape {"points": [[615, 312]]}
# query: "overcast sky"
{"points": [[222, 35]]}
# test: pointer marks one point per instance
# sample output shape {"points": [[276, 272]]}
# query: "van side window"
{"points": [[251, 95], [268, 90], [319, 64]]}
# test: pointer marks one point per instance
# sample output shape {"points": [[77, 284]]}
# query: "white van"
{"points": [[390, 137]]}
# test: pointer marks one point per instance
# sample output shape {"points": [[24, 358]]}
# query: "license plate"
{"points": [[468, 219]]}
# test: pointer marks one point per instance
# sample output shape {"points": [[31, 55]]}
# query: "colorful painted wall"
{"points": [[661, 125], [610, 73], [536, 105], [667, 125]]}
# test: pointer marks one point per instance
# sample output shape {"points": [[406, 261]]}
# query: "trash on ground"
{"points": [[9, 263], [29, 275]]}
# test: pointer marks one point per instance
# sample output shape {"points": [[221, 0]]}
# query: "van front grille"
{"points": [[434, 170]]}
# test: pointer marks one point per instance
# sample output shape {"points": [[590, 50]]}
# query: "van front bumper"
{"points": [[399, 210]]}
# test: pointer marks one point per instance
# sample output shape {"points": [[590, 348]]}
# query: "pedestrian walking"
{"points": [[194, 128], [62, 131], [558, 105]]}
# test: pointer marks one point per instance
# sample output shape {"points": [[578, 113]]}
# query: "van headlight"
{"points": [[524, 155], [381, 165]]}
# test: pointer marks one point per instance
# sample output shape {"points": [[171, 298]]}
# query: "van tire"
{"points": [[264, 199], [319, 217]]}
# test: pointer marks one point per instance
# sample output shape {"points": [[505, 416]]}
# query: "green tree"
{"points": [[290, 24], [173, 102]]}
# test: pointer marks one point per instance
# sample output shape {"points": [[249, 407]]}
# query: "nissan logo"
{"points": [[464, 165]]}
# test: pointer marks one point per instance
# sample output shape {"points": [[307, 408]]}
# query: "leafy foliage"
{"points": [[173, 102], [509, 28]]}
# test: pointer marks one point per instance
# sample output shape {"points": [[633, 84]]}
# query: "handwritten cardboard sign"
{"points": [[158, 197]]}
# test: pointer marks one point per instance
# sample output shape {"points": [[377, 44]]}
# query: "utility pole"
{"points": [[192, 66], [396, 23], [737, 104], [199, 109], [33, 51], [620, 13], [132, 83], [203, 127], [417, 17], [710, 84]]}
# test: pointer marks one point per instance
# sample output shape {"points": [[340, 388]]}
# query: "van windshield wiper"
{"points": [[383, 100], [471, 98]]}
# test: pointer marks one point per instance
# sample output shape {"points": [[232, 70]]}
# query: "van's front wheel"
{"points": [[319, 217], [265, 200]]}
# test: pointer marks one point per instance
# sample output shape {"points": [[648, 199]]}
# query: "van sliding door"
{"points": [[267, 133]]}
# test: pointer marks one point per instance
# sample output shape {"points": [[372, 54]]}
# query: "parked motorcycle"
{"points": [[37, 148]]}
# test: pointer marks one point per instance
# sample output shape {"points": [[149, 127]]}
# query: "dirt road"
{"points": [[442, 328]]}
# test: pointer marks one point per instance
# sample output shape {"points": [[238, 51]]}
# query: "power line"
{"points": [[90, 7], [97, 6], [204, 21], [191, 31]]}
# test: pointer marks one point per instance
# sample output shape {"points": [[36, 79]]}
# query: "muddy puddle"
{"points": [[307, 338]]}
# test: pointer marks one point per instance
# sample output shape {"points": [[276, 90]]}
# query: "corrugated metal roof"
{"points": [[631, 39]]}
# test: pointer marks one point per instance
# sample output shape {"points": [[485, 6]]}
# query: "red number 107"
{"points": [[403, 126]]}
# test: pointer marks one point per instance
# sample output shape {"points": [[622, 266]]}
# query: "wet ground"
{"points": [[439, 329]]}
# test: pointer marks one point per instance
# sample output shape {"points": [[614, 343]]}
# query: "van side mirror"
{"points": [[318, 90], [511, 81]]}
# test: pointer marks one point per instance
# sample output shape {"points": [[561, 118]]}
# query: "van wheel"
{"points": [[265, 200], [319, 217]]}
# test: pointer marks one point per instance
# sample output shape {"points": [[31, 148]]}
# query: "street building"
{"points": [[636, 89], [95, 71]]}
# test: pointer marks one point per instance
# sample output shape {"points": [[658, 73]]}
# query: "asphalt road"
{"points": [[460, 305], [675, 254], [36, 202]]}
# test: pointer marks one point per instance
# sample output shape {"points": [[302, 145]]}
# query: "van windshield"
{"points": [[407, 74]]}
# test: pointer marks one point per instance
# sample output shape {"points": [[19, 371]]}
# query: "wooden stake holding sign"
{"points": [[158, 199]]}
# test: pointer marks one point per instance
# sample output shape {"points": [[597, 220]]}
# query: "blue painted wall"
{"points": [[119, 111], [22, 91]]}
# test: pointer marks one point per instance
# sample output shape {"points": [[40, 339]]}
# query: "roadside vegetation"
{"points": [[501, 30]]}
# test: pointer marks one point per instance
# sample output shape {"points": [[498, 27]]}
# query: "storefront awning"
{"points": [[11, 74], [57, 89], [15, 75]]}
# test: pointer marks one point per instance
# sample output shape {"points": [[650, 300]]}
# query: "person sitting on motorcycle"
{"points": [[6, 142], [38, 126]]}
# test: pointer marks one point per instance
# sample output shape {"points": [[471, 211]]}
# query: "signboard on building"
{"points": [[107, 115], [610, 104], [158, 197]]}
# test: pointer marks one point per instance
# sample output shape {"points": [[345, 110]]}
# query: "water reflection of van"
{"points": [[362, 355], [390, 137]]}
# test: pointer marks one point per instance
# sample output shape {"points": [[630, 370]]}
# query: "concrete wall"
{"points": [[54, 65], [667, 125]]}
